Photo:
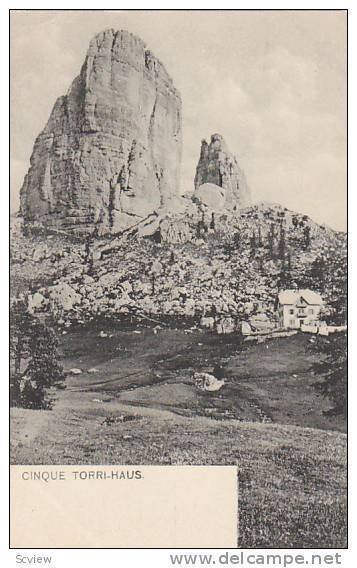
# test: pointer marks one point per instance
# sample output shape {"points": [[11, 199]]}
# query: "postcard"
{"points": [[178, 297]]}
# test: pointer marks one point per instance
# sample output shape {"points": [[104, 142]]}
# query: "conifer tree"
{"points": [[21, 324], [236, 239], [282, 246], [307, 237], [253, 245], [35, 360], [333, 369], [271, 241]]}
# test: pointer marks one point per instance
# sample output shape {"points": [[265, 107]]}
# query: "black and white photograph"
{"points": [[178, 253]]}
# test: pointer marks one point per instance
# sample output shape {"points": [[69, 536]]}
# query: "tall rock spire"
{"points": [[218, 167], [110, 152]]}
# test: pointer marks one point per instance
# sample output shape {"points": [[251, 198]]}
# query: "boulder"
{"points": [[226, 325], [108, 280], [207, 322], [96, 255], [211, 195], [122, 301], [88, 279], [64, 296], [261, 322], [207, 382], [175, 231], [156, 267], [36, 301], [39, 253], [75, 371], [126, 286], [149, 226], [246, 328], [189, 307]]}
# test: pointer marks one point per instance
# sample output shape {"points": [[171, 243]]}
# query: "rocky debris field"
{"points": [[227, 270]]}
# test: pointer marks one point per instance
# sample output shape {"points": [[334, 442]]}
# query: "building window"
{"points": [[311, 311], [292, 322], [301, 311], [291, 312]]}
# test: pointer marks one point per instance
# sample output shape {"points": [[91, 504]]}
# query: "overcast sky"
{"points": [[272, 83]]}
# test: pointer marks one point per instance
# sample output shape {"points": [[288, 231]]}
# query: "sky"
{"points": [[273, 83]]}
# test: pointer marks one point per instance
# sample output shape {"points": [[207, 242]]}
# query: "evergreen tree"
{"points": [[284, 277], [271, 241], [282, 246], [200, 229], [318, 271], [44, 368], [35, 360], [236, 239], [21, 325], [88, 249], [333, 369], [253, 245], [228, 248], [33, 396], [307, 237]]}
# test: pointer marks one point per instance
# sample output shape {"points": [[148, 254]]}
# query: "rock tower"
{"points": [[219, 180], [110, 152]]}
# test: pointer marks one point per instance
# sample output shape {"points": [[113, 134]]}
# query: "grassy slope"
{"points": [[292, 479], [274, 375]]}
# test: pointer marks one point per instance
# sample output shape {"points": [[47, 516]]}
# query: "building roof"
{"points": [[292, 296]]}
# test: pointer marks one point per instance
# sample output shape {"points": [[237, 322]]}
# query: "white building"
{"points": [[299, 307]]}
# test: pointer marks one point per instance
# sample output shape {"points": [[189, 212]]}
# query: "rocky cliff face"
{"points": [[218, 177], [110, 153]]}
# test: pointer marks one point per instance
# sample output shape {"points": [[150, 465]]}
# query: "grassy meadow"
{"points": [[138, 405]]}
